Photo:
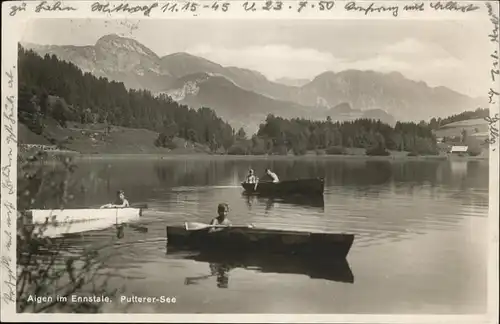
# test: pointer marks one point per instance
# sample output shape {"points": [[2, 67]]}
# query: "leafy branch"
{"points": [[45, 266]]}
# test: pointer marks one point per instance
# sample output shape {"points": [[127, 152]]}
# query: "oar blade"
{"points": [[194, 226]]}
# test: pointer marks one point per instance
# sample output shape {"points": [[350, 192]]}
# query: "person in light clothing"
{"points": [[120, 202], [272, 175]]}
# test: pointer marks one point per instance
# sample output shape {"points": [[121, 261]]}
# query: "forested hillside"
{"points": [[97, 100], [278, 135], [466, 115], [52, 91]]}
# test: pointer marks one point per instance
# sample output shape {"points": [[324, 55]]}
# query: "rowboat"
{"points": [[308, 187], [57, 222], [242, 239], [315, 268]]}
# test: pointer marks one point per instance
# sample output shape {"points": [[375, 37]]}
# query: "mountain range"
{"points": [[244, 97]]}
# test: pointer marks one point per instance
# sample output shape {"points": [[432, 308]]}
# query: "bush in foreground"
{"points": [[44, 266]]}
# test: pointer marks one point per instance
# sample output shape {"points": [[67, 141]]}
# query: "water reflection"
{"points": [[95, 182], [221, 264], [193, 172], [218, 270], [272, 202], [435, 209]]}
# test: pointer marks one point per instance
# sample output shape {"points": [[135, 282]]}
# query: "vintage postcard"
{"points": [[250, 161]]}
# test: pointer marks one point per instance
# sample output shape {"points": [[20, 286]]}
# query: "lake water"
{"points": [[420, 247]]}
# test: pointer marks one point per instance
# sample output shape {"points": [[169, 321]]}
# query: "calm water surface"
{"points": [[420, 247]]}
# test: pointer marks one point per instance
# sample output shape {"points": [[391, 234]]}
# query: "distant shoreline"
{"points": [[201, 156]]}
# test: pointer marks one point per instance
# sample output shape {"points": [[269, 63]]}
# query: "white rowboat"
{"points": [[56, 222]]}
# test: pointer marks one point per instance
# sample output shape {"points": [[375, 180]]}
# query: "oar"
{"points": [[191, 280], [140, 206], [194, 226]]}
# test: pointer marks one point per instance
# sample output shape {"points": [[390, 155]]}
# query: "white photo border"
{"points": [[15, 14]]}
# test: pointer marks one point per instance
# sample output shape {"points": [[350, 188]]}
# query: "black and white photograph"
{"points": [[344, 162]]}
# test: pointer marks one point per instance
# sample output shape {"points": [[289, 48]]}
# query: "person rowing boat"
{"points": [[120, 201], [251, 178], [270, 174], [221, 219]]}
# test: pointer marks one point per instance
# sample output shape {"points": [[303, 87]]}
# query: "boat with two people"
{"points": [[271, 185]]}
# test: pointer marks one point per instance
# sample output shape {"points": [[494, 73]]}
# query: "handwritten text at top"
{"points": [[249, 6]]}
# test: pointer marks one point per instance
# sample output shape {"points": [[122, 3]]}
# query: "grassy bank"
{"points": [[98, 141], [101, 139], [311, 156]]}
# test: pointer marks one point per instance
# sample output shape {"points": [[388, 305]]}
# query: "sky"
{"points": [[451, 53]]}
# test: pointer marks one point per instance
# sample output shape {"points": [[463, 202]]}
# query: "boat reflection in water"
{"points": [[217, 270], [221, 264], [270, 202]]}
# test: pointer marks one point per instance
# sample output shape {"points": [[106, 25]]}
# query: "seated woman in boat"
{"points": [[251, 178], [271, 175], [120, 202], [222, 210]]}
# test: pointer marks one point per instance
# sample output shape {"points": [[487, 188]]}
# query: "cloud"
{"points": [[275, 60], [380, 63], [415, 48], [416, 60]]}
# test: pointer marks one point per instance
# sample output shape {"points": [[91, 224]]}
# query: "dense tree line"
{"points": [[88, 99], [280, 136], [97, 100], [478, 113]]}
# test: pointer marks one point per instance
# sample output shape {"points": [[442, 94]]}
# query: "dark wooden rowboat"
{"points": [[316, 268], [246, 240], [310, 187]]}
